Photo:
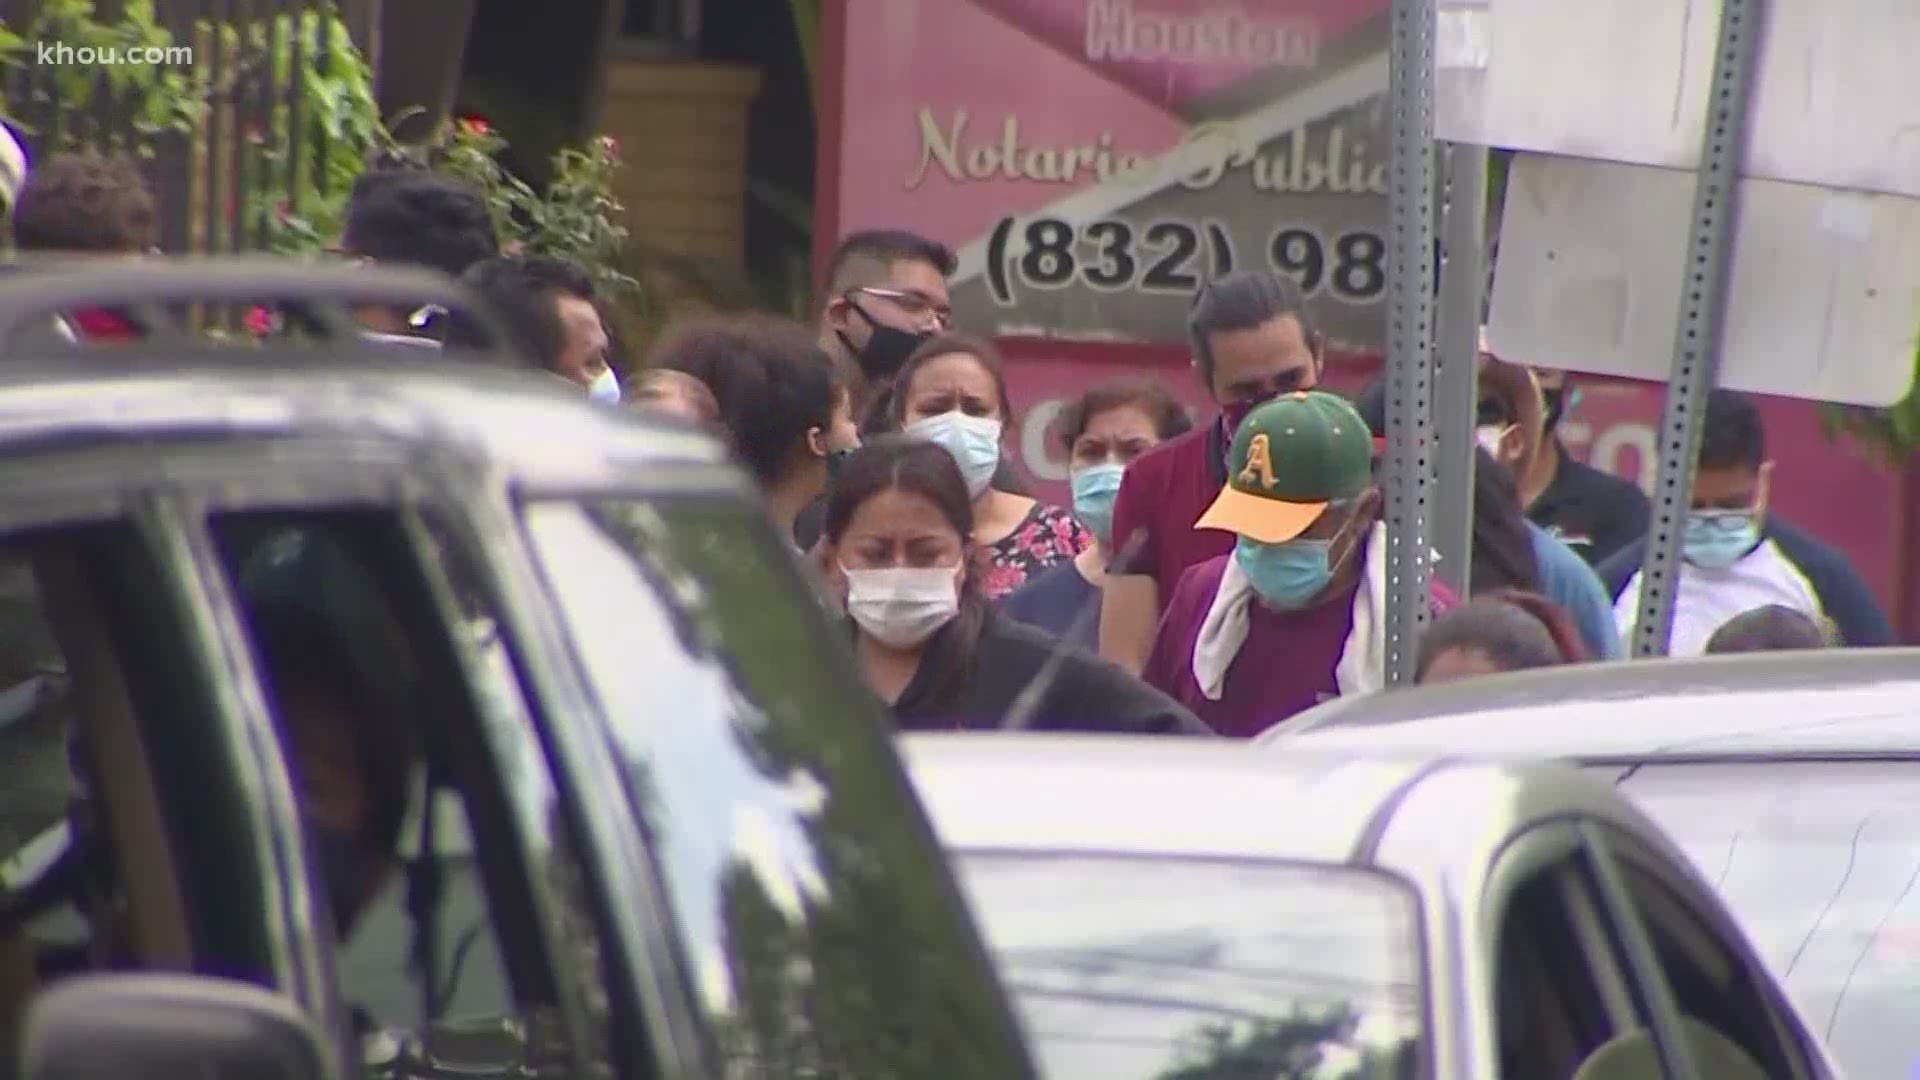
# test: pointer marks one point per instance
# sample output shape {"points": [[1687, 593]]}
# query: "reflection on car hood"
{"points": [[1841, 702]]}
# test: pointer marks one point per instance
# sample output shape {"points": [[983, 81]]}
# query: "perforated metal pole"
{"points": [[1409, 464], [1463, 277], [1703, 301]]}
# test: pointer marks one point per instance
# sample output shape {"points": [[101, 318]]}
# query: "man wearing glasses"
{"points": [[886, 293], [1738, 555]]}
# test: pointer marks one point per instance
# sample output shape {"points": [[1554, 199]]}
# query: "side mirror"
{"points": [[169, 1027]]}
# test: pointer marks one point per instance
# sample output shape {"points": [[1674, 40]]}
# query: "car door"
{"points": [[477, 940], [1560, 997], [140, 831], [820, 925], [1696, 959]]}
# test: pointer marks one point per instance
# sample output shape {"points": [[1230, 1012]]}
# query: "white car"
{"points": [[1179, 909], [1791, 779]]}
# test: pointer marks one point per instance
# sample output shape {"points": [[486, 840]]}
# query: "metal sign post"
{"points": [[1697, 338], [1463, 278], [1409, 461]]}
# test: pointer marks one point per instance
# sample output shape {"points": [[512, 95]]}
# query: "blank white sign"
{"points": [[1836, 102], [1825, 286]]}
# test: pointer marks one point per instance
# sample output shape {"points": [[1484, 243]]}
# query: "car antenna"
{"points": [[1021, 715]]}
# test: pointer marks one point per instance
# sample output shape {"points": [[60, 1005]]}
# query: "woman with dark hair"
{"points": [[1560, 625], [952, 391], [1503, 553], [1488, 636], [1109, 426], [785, 410], [899, 557]]}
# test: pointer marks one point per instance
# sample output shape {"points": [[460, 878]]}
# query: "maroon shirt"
{"points": [[1285, 666], [1162, 494]]}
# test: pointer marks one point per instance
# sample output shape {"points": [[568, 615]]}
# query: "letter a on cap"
{"points": [[1259, 467]]}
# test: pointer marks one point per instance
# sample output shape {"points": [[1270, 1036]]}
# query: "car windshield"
{"points": [[1820, 863], [1129, 968]]}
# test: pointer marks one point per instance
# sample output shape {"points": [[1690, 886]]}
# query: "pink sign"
{"points": [[1092, 161]]}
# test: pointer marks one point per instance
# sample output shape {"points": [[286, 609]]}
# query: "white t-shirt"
{"points": [[1708, 598]]}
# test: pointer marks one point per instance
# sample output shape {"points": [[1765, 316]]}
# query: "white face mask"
{"points": [[974, 442], [902, 606]]}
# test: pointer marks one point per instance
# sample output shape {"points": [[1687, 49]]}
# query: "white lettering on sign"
{"points": [[1036, 445], [1605, 453], [1636, 439], [1116, 31]]}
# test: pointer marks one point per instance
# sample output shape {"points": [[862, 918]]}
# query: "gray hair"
{"points": [[1241, 301]]}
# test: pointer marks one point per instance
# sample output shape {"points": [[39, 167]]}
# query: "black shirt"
{"points": [[1593, 512], [1085, 694]]}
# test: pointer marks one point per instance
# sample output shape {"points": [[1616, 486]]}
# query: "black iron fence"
{"points": [[230, 121]]}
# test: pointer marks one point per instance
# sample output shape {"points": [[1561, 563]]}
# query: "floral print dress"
{"points": [[1046, 537]]}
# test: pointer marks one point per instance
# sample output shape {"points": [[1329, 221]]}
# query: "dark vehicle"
{"points": [[1789, 778], [669, 837]]}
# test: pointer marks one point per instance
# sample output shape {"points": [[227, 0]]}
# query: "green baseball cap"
{"points": [[1290, 458]]}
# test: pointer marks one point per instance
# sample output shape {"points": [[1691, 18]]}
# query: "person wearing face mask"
{"points": [[899, 558], [781, 401], [1108, 427], [1736, 555], [953, 391], [1295, 613], [886, 295], [1508, 550], [1252, 340], [547, 308]]}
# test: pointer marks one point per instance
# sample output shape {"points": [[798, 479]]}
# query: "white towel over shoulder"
{"points": [[1362, 666]]}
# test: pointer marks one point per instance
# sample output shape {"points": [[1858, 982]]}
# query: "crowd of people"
{"points": [[1214, 576]]}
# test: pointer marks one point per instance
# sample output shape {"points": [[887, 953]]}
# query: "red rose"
{"points": [[475, 125], [259, 321]]}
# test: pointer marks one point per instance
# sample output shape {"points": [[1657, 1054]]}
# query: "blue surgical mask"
{"points": [[605, 387], [974, 442], [1094, 489], [1718, 539], [1288, 575]]}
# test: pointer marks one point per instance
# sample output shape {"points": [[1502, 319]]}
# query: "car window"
{"points": [[1819, 862], [1713, 981], [386, 681], [811, 902], [1560, 1001], [125, 838], [1136, 968]]}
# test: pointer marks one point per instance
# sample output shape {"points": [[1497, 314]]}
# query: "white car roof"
{"points": [[1837, 702], [1147, 795]]}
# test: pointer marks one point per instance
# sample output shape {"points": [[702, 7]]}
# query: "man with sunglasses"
{"points": [[1737, 555]]}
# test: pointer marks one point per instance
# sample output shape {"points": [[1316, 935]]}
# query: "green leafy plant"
{"points": [[1892, 434], [157, 97], [576, 217]]}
